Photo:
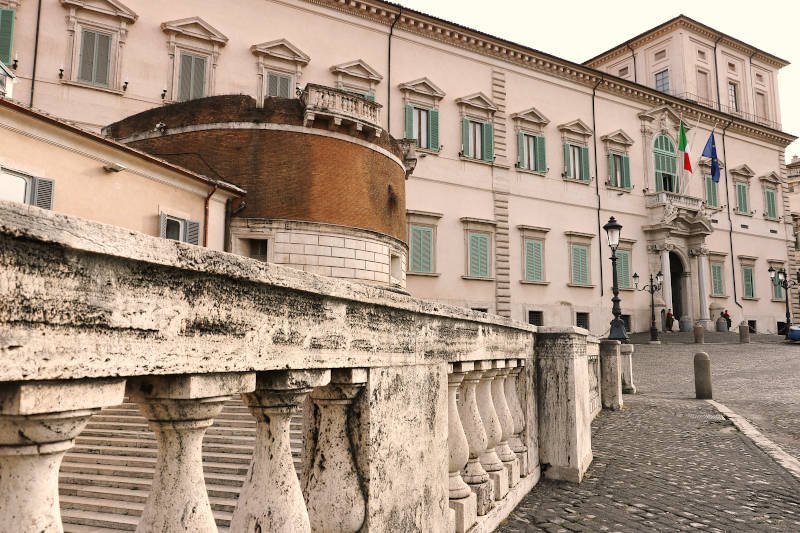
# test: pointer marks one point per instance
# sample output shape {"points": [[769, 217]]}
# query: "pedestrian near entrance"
{"points": [[670, 320], [727, 318]]}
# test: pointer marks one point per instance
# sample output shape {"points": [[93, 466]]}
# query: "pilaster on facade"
{"points": [[502, 255], [500, 122]]}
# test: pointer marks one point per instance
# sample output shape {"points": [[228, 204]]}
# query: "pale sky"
{"points": [[578, 30]]}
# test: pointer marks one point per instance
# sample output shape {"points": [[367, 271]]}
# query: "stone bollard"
{"points": [[626, 357], [610, 375], [699, 334], [702, 376], [722, 325], [744, 333]]}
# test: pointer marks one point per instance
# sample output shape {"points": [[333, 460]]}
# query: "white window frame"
{"points": [[420, 126], [31, 187], [181, 41], [282, 58], [656, 82], [733, 96], [483, 227], [181, 52], [428, 220]]}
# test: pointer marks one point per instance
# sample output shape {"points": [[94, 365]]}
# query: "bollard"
{"points": [[744, 333], [699, 334], [702, 376]]}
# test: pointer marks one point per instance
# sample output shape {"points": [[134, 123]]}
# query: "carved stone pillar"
{"points": [[517, 416], [494, 433], [179, 409], [474, 474], [702, 286], [504, 451], [271, 498], [333, 488], [38, 423], [666, 288], [462, 500]]}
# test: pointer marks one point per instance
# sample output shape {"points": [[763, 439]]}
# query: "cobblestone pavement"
{"points": [[666, 464]]}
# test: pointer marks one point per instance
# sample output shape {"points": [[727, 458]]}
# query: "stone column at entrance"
{"points": [[702, 285], [666, 288]]}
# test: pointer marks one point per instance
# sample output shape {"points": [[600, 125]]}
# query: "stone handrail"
{"points": [[677, 200], [341, 106], [419, 416]]}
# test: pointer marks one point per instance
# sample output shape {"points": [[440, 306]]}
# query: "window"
{"points": [[582, 320], [662, 81], [278, 85], [712, 199], [717, 286], [624, 268], [749, 288], [479, 255], [192, 80], [742, 203], [534, 260], [751, 325], [95, 58], [6, 34], [179, 229], [421, 249], [619, 171], [761, 105], [536, 318], [777, 290], [702, 85], [665, 164], [576, 162], [258, 248], [579, 257], [477, 139], [771, 208], [531, 152], [623, 72], [701, 55], [733, 100], [422, 125], [18, 187]]}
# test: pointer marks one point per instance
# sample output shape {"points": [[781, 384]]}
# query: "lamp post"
{"points": [[652, 288], [617, 332], [786, 283]]}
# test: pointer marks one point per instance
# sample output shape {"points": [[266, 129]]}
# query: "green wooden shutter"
{"points": [[748, 282], [716, 280], [102, 62], [43, 193], [624, 268], [488, 141], [191, 232], [479, 255], [541, 154], [409, 121], [626, 171], [741, 196], [567, 166], [199, 77], [465, 148], [772, 212], [777, 290], [421, 249], [6, 34], [711, 192], [433, 129], [584, 163], [580, 265], [521, 163], [533, 261], [185, 78], [611, 174], [86, 66]]}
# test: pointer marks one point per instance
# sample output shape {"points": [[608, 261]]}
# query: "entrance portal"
{"points": [[676, 281]]}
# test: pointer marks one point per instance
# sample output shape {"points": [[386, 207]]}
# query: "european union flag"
{"points": [[711, 151]]}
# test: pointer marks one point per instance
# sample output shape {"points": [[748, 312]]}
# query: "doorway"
{"points": [[676, 282]]}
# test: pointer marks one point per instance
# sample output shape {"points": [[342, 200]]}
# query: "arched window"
{"points": [[665, 164]]}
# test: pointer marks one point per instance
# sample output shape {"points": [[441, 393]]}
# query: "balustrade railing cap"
{"points": [[325, 88]]}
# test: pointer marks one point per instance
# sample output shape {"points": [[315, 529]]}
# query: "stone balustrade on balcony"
{"points": [[340, 106]]}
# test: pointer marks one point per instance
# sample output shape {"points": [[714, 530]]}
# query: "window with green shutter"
{"points": [[278, 85], [422, 125], [711, 192], [6, 35], [531, 152], [192, 81], [777, 290], [619, 171], [772, 211], [479, 255], [624, 269], [179, 229], [749, 289], [576, 162], [95, 59], [421, 249], [477, 139], [717, 287], [742, 203], [580, 264], [534, 267], [665, 158]]}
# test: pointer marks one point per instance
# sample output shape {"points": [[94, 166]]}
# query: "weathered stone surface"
{"points": [[702, 376], [626, 359], [610, 375]]}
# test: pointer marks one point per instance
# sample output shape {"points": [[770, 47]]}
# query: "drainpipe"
{"points": [[389, 75], [633, 55], [597, 180], [205, 220], [35, 50], [716, 76], [730, 219]]}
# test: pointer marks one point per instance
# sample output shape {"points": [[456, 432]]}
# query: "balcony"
{"points": [[340, 107], [677, 211], [667, 198], [713, 104]]}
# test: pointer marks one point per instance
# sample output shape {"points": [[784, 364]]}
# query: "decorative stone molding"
{"points": [[356, 76], [617, 141], [278, 56], [422, 90], [477, 105], [576, 131], [531, 120], [111, 8], [770, 178], [698, 250], [10, 4], [743, 172], [196, 36]]}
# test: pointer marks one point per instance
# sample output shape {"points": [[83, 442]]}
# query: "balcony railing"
{"points": [[662, 198], [714, 104], [411, 406], [342, 107]]}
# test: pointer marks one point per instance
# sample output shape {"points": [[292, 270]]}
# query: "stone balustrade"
{"points": [[676, 200], [343, 107], [417, 416]]}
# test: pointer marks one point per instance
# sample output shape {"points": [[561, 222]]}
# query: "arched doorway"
{"points": [[676, 271]]}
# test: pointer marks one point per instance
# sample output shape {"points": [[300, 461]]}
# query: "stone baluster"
{"points": [[491, 423], [504, 451], [517, 416], [38, 423], [462, 500], [179, 409], [333, 489], [271, 498], [474, 474]]}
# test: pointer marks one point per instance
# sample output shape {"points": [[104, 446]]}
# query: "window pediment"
{"points": [[661, 118], [531, 116], [281, 49], [477, 101], [743, 171], [705, 162], [10, 4], [618, 137], [575, 130], [424, 87], [771, 177], [112, 8], [357, 69], [196, 28]]}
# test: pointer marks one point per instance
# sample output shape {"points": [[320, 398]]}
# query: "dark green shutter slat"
{"points": [[416, 249], [162, 225], [185, 78], [623, 268], [567, 167], [6, 34], [86, 71], [612, 176], [465, 148], [426, 250], [748, 282], [533, 261], [580, 271], [584, 163], [433, 129], [626, 172], [521, 150], [716, 278], [102, 59], [541, 154], [192, 232], [43, 193], [198, 77], [478, 255], [409, 121], [488, 141], [771, 208]]}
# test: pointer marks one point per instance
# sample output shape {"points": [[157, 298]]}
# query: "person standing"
{"points": [[727, 318], [670, 320]]}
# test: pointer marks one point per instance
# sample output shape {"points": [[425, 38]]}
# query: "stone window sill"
{"points": [[618, 189], [771, 219], [90, 86], [720, 296], [529, 282], [478, 278], [532, 172], [629, 289], [777, 301], [474, 160], [579, 286], [714, 208], [753, 299], [580, 182], [426, 274], [427, 151], [743, 214]]}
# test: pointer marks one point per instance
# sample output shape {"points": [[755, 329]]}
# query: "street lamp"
{"points": [[617, 332], [652, 288], [786, 283]]}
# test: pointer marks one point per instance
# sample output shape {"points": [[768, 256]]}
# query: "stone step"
{"points": [[120, 481], [120, 522], [149, 463], [79, 528], [142, 427], [150, 445], [152, 453], [130, 507], [214, 478]]}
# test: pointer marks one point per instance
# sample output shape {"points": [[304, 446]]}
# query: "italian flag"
{"points": [[683, 146]]}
